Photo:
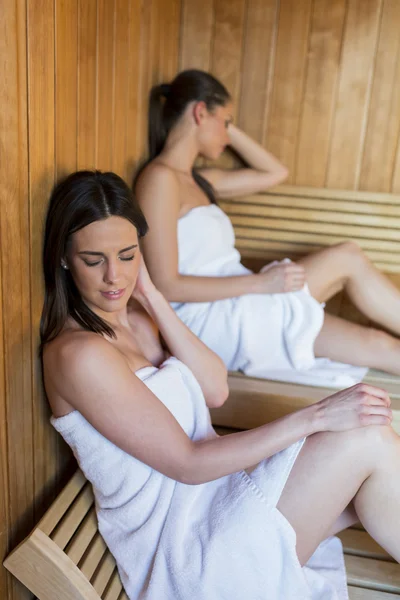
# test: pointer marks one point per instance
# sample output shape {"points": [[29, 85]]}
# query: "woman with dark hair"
{"points": [[257, 322], [174, 503]]}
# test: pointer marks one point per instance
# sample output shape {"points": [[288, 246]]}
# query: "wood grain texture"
{"points": [[196, 34]]}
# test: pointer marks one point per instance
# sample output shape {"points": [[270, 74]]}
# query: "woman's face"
{"points": [[213, 131], [104, 259]]}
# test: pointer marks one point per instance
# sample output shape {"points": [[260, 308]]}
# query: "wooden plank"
{"points": [[372, 573], [288, 83], [82, 537], [134, 116], [105, 82], [60, 578], [357, 593], [325, 40], [103, 573], [383, 115], [87, 60], [257, 66], [337, 229], [357, 62], [120, 126], [114, 587], [63, 502], [196, 34], [16, 469], [67, 526], [66, 36], [145, 76], [93, 556], [360, 543], [356, 195]]}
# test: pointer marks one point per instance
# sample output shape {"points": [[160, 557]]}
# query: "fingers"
{"points": [[368, 420], [374, 393]]}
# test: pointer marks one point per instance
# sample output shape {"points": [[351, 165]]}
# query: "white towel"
{"points": [[263, 335], [221, 540]]}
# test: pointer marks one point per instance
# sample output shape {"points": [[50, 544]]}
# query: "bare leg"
{"points": [[345, 266], [363, 346], [359, 466]]}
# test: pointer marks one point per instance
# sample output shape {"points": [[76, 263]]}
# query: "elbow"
{"points": [[283, 174], [218, 397]]}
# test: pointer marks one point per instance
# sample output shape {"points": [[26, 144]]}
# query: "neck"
{"points": [[180, 150]]}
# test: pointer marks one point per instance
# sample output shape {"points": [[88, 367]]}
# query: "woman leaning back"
{"points": [[254, 321], [129, 387]]}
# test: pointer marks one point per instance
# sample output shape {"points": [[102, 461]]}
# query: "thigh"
{"points": [[317, 497], [325, 271]]}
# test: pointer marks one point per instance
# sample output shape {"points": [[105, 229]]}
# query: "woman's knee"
{"points": [[350, 252]]}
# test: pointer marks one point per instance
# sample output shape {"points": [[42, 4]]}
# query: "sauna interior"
{"points": [[316, 81]]}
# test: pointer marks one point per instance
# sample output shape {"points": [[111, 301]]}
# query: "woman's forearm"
{"points": [[217, 457], [192, 288], [206, 366], [254, 154]]}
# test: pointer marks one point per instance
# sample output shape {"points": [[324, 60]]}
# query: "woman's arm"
{"points": [[265, 170], [93, 378], [206, 366], [158, 193]]}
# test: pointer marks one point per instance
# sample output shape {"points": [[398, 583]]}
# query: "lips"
{"points": [[113, 294]]}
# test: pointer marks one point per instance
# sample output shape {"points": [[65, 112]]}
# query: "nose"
{"points": [[112, 271]]}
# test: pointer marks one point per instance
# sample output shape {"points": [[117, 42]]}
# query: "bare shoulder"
{"points": [[156, 175]]}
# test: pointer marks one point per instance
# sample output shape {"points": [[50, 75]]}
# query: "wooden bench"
{"points": [[65, 557], [294, 221]]}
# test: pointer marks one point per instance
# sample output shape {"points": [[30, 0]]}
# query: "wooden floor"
{"points": [[371, 573]]}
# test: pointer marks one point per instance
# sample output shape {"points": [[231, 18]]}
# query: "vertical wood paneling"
{"points": [[121, 69], [319, 95], [383, 114], [258, 47], [87, 60], [196, 34], [41, 110], [105, 81], [133, 115], [16, 428], [288, 83], [66, 21], [354, 89]]}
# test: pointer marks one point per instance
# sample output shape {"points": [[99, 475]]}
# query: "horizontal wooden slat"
{"points": [[320, 204], [361, 543], [357, 196], [83, 536], [64, 500], [357, 593], [74, 516], [373, 574]]}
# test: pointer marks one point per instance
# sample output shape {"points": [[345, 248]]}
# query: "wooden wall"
{"points": [[73, 94], [316, 81]]}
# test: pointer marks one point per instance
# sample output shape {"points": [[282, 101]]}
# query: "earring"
{"points": [[64, 264]]}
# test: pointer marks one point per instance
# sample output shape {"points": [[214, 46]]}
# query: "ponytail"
{"points": [[157, 133]]}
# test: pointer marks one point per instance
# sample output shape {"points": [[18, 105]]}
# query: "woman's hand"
{"points": [[282, 277], [144, 286], [358, 406]]}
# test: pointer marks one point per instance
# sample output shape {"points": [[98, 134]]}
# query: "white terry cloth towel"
{"points": [[220, 540], [263, 335]]}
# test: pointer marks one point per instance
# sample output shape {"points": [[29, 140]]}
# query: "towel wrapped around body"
{"points": [[221, 540], [263, 335]]}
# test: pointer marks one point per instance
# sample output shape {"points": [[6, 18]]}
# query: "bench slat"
{"points": [[103, 574], [356, 593], [360, 543], [62, 503], [93, 556], [374, 574], [114, 587], [77, 511], [83, 536]]}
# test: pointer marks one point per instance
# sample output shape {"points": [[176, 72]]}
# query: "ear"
{"points": [[199, 112]]}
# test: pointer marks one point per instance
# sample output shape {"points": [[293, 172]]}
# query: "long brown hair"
{"points": [[78, 200]]}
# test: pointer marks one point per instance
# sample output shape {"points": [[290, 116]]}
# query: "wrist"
{"points": [[255, 284]]}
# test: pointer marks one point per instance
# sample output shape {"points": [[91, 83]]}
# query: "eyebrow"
{"points": [[92, 253]]}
